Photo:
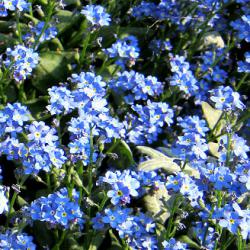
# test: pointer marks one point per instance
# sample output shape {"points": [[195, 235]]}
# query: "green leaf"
{"points": [[125, 156], [52, 68], [70, 243], [21, 202], [165, 163], [150, 152], [160, 232], [42, 234], [155, 203], [6, 41], [159, 160], [97, 241], [115, 243], [191, 243], [212, 117], [72, 2], [66, 20], [76, 179], [213, 148], [11, 93]]}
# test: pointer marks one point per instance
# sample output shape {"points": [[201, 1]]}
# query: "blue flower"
{"points": [[193, 124], [37, 31], [222, 178], [183, 76], [227, 218], [173, 244], [21, 61], [13, 5], [14, 240], [244, 66], [57, 209], [226, 99], [123, 185], [61, 100], [4, 202], [242, 26], [96, 15], [126, 50]]}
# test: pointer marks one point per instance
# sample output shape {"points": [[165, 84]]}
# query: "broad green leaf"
{"points": [[21, 202], [115, 243], [160, 232], [97, 241], [150, 152], [161, 162], [212, 117], [211, 39], [76, 179], [66, 19], [52, 68], [70, 243], [42, 234], [168, 152], [5, 41], [73, 2], [154, 204], [213, 148], [191, 243], [124, 155]]}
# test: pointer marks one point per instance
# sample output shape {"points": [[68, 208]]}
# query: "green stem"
{"points": [[228, 243], [84, 47], [90, 186], [17, 14], [48, 17], [13, 199], [241, 81], [59, 243], [171, 218]]}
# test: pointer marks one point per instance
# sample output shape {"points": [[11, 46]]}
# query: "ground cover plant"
{"points": [[124, 124]]}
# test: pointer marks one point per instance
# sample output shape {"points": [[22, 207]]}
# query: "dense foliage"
{"points": [[124, 124]]}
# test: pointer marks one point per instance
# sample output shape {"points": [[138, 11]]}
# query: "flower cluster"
{"points": [[123, 186], [242, 26], [41, 149], [226, 99], [41, 32], [57, 209], [21, 61], [125, 50], [96, 15], [14, 240], [132, 135], [147, 123], [137, 229], [13, 5], [183, 76], [192, 145], [244, 66], [136, 86]]}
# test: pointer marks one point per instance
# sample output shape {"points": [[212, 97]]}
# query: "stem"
{"points": [[241, 81], [228, 243], [59, 243], [84, 47], [216, 124], [175, 206], [18, 27], [90, 186], [48, 15], [13, 199]]}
